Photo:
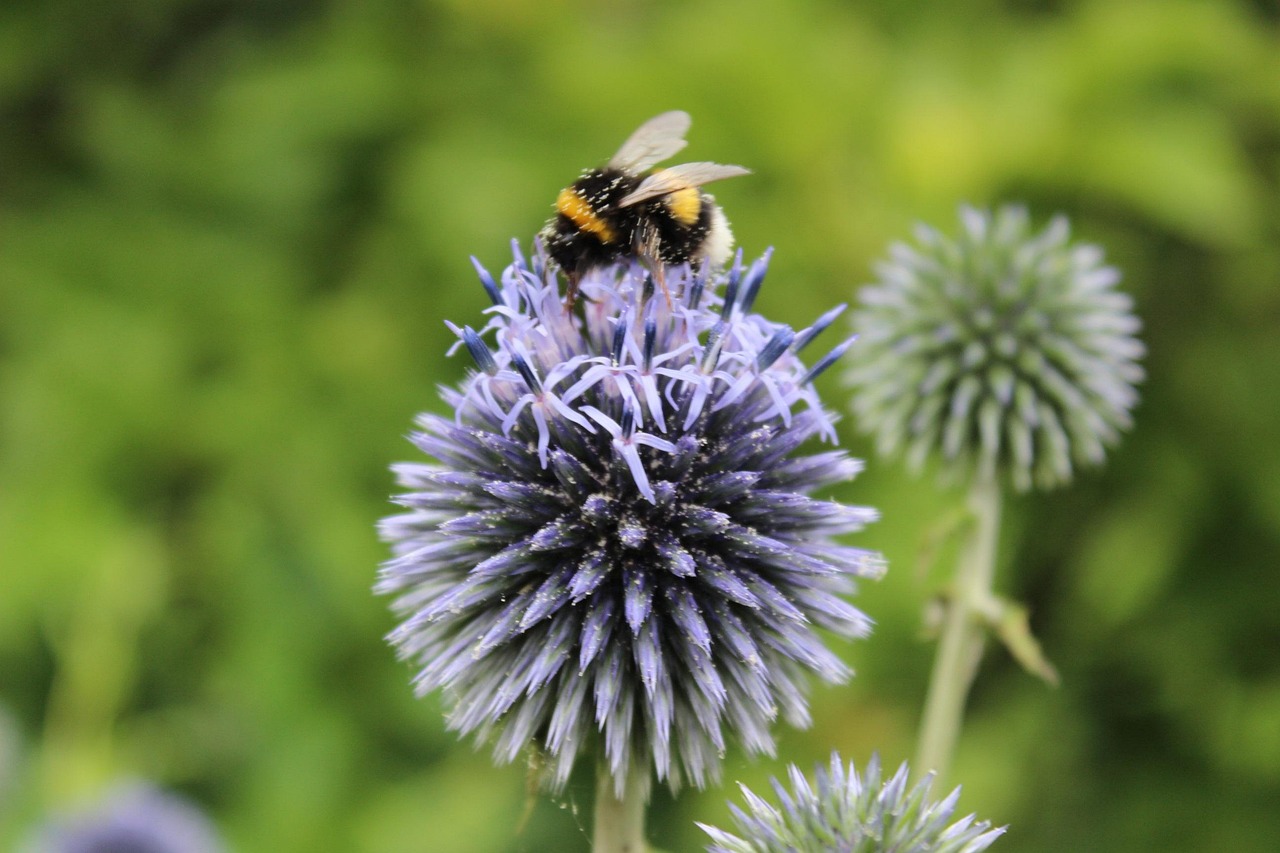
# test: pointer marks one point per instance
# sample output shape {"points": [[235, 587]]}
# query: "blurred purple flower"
{"points": [[136, 819], [614, 549]]}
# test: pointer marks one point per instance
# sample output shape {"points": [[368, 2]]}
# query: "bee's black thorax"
{"points": [[590, 229], [602, 189]]}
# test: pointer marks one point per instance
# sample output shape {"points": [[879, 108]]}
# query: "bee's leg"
{"points": [[571, 288], [647, 250], [660, 275], [657, 275]]}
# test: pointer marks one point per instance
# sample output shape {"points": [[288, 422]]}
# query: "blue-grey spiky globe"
{"points": [[614, 548], [999, 351], [844, 812]]}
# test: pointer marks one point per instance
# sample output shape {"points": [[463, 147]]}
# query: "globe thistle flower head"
{"points": [[843, 812], [998, 350], [614, 548], [135, 819]]}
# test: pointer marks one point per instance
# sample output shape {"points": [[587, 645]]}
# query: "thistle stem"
{"points": [[619, 823], [963, 633]]}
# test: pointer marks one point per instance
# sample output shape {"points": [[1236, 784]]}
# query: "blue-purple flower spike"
{"points": [[613, 549]]}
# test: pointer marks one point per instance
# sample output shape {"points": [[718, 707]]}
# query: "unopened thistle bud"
{"points": [[998, 350]]}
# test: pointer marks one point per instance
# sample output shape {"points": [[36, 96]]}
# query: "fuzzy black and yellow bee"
{"points": [[629, 209]]}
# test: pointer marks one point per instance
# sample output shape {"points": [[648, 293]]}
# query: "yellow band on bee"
{"points": [[685, 205], [575, 207]]}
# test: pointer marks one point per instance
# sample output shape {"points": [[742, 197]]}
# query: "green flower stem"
{"points": [[963, 632], [619, 823]]}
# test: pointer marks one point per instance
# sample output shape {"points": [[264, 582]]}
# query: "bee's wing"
{"points": [[680, 177], [654, 141]]}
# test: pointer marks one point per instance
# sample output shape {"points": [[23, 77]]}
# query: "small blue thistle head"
{"points": [[1000, 350], [614, 549], [134, 819], [847, 813]]}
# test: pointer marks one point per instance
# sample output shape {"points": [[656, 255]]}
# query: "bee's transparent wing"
{"points": [[654, 141], [680, 177]]}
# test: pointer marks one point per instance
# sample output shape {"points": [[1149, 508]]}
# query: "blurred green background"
{"points": [[230, 231]]}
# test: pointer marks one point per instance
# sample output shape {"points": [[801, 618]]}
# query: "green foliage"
{"points": [[230, 232]]}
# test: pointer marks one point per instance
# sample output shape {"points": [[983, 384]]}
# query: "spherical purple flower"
{"points": [[614, 549], [136, 819]]}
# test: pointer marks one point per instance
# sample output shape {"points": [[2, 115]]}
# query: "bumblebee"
{"points": [[629, 209]]}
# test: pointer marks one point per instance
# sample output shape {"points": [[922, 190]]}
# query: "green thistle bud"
{"points": [[1000, 350]]}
